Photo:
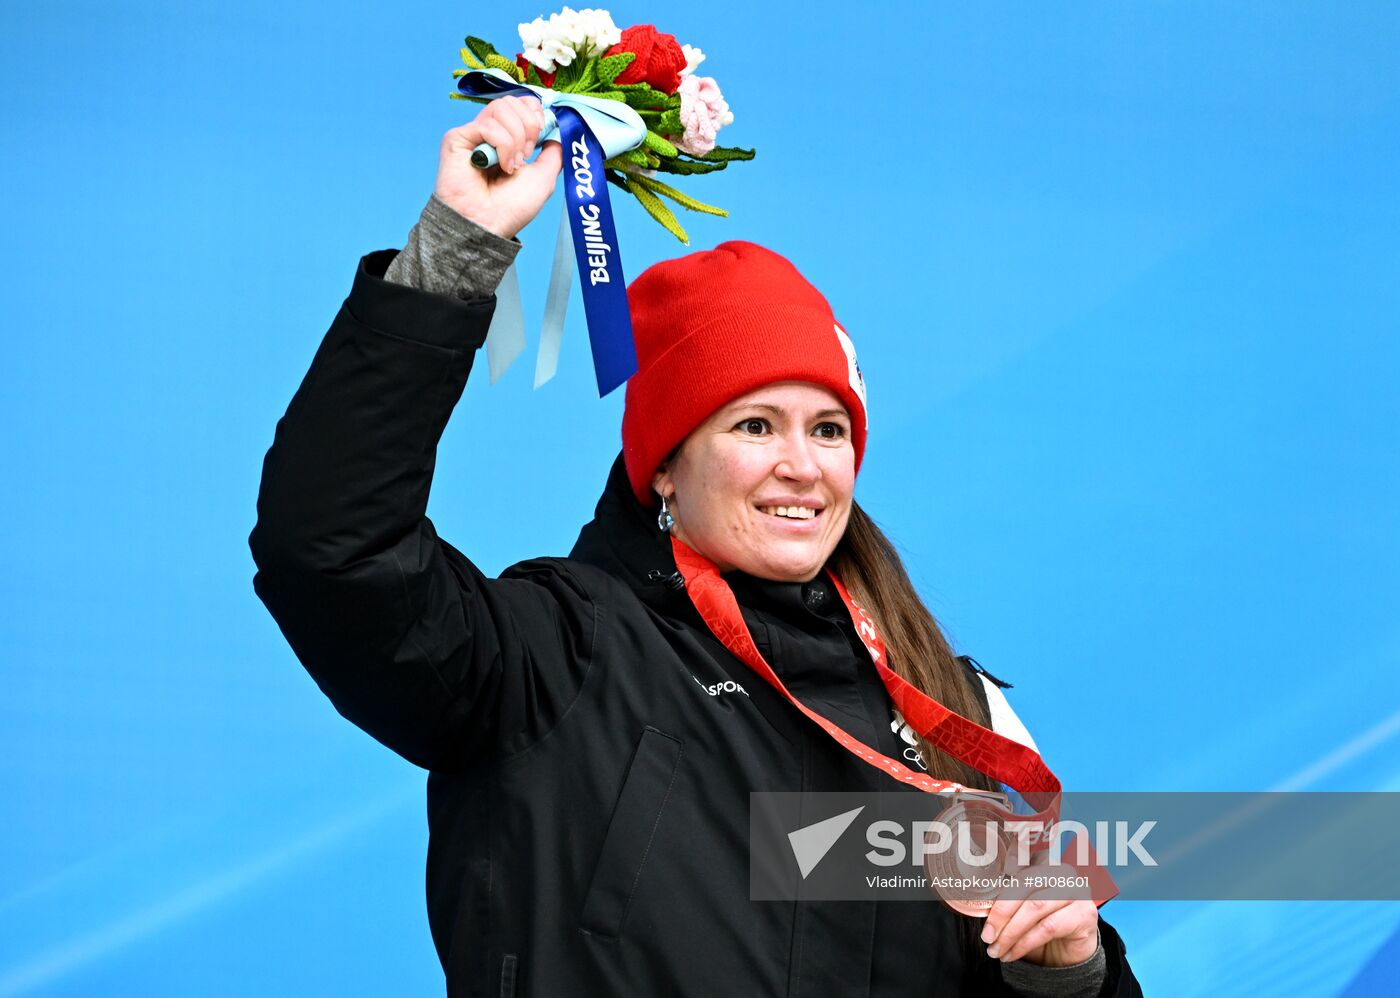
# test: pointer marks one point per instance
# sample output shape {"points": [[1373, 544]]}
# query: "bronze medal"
{"points": [[975, 817]]}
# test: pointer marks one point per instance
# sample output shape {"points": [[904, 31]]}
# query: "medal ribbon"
{"points": [[1018, 766]]}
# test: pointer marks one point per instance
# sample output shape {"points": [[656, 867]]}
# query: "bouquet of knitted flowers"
{"points": [[583, 52]]}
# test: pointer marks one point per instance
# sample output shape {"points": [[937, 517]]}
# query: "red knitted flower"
{"points": [[547, 79], [659, 58]]}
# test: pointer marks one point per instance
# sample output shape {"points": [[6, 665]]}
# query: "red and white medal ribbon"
{"points": [[1018, 766]]}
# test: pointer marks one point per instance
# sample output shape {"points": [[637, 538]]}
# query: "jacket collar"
{"points": [[623, 539]]}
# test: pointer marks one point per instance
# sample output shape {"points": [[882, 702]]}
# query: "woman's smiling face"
{"points": [[764, 485]]}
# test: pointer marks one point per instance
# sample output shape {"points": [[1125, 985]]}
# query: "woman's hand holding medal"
{"points": [[1022, 922], [1051, 932], [503, 198]]}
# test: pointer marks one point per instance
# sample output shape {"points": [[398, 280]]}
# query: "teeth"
{"points": [[792, 512]]}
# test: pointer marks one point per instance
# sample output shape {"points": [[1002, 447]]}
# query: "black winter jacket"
{"points": [[589, 766]]}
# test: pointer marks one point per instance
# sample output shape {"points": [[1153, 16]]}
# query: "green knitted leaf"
{"points": [[480, 47], [673, 102], [727, 153], [645, 96], [458, 95], [670, 124], [565, 77], [472, 60], [687, 167], [532, 75], [588, 78], [658, 211], [608, 95], [657, 144], [610, 67], [457, 74], [634, 156], [497, 61], [684, 200]]}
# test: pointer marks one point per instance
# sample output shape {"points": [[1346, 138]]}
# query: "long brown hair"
{"points": [[870, 567]]}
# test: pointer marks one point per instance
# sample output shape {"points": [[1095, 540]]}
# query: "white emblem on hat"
{"points": [[853, 371]]}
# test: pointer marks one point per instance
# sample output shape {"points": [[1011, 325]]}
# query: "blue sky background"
{"points": [[1124, 279]]}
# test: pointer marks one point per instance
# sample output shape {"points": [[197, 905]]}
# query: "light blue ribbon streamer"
{"points": [[556, 301], [617, 128], [505, 337]]}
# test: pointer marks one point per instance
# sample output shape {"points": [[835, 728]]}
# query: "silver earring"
{"points": [[664, 520]]}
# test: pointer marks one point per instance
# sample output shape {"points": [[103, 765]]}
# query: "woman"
{"points": [[592, 738]]}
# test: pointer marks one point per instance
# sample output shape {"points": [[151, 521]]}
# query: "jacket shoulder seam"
{"points": [[595, 601]]}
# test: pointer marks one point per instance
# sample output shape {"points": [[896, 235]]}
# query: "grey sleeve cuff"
{"points": [[1078, 980], [447, 253]]}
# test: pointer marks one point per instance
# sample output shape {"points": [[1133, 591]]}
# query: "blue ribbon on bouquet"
{"points": [[591, 130]]}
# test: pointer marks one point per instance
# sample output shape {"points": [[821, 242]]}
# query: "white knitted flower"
{"points": [[603, 34], [559, 50], [532, 34], [567, 35], [567, 26], [693, 58]]}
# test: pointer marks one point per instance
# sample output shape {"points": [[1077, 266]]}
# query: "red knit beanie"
{"points": [[714, 325]]}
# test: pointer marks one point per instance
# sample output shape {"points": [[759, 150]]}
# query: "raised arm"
{"points": [[404, 635]]}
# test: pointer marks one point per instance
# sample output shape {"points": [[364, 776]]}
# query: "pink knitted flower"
{"points": [[704, 111]]}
